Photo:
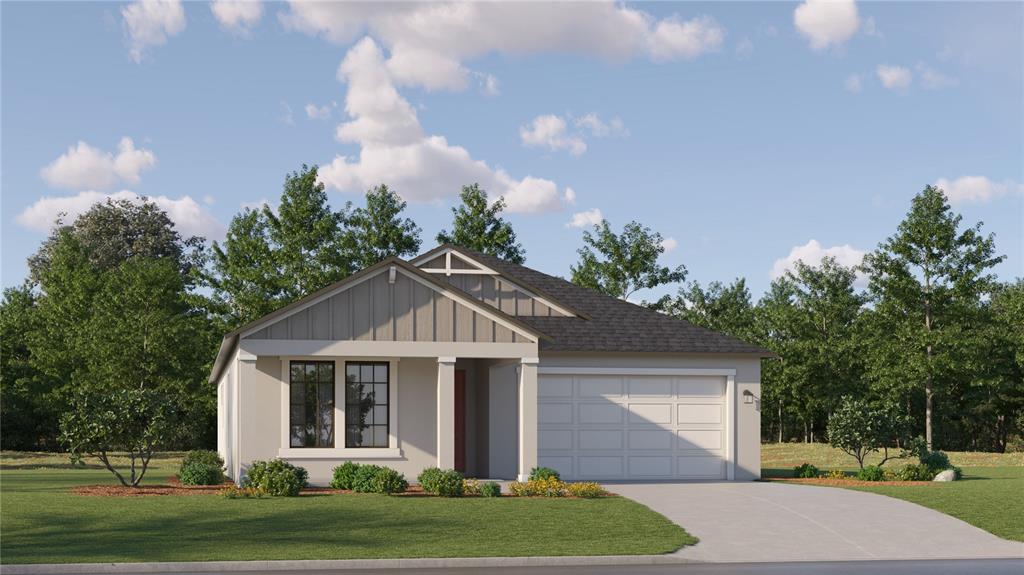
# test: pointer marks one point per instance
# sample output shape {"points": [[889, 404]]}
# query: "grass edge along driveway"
{"points": [[42, 522]]}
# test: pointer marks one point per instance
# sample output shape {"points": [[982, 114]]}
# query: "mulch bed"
{"points": [[845, 482]]}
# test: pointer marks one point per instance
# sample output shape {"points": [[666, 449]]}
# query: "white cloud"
{"points": [[150, 23], [827, 23], [84, 166], [189, 218], [549, 131], [428, 43], [853, 83], [932, 79], [669, 244], [894, 77], [812, 253], [585, 219], [978, 189], [314, 112], [599, 128], [238, 16], [394, 149]]}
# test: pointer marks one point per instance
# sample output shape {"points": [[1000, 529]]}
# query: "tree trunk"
{"points": [[781, 431]]}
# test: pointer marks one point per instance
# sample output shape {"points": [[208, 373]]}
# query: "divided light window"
{"points": [[312, 403], [366, 404]]}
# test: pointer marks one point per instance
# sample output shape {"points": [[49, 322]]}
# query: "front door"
{"points": [[460, 420]]}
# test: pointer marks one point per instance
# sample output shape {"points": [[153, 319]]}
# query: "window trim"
{"points": [[288, 403], [374, 363]]}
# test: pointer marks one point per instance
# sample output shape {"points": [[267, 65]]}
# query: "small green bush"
{"points": [[490, 489], [449, 483], [871, 473], [200, 473], [388, 481], [428, 479], [935, 460], [345, 475], [958, 473], [365, 477], [912, 472], [206, 456], [543, 473], [276, 477], [805, 471]]}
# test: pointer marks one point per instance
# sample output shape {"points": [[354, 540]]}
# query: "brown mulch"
{"points": [[845, 482]]}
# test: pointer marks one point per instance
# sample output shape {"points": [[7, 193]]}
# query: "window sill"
{"points": [[340, 453]]}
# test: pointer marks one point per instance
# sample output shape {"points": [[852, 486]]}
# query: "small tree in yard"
{"points": [[133, 421], [859, 429]]}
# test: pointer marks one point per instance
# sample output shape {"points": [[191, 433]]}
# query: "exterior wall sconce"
{"points": [[748, 396]]}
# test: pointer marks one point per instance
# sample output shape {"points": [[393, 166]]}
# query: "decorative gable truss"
{"points": [[392, 304]]}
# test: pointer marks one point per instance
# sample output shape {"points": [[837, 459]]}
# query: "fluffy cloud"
{"points": [[585, 219], [314, 112], [189, 218], [394, 148], [827, 23], [238, 16], [978, 189], [84, 166], [932, 79], [549, 131], [812, 253], [894, 77], [599, 128], [669, 244], [428, 43], [853, 83], [150, 23]]}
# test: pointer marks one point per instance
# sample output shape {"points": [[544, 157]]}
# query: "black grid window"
{"points": [[312, 403], [366, 404]]}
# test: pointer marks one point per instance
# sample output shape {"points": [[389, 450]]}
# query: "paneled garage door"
{"points": [[633, 426]]}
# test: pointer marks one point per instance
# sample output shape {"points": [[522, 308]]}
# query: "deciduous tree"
{"points": [[620, 264], [479, 226]]}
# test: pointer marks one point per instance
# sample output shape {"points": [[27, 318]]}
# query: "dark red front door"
{"points": [[460, 420]]}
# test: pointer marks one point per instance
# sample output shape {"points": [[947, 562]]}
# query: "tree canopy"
{"points": [[378, 231], [620, 264], [479, 226]]}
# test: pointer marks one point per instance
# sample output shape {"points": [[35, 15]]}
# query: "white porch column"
{"points": [[446, 412], [527, 416]]}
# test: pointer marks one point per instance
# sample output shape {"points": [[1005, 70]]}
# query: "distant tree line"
{"points": [[118, 304]]}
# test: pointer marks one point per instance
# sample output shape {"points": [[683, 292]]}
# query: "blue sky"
{"points": [[751, 134]]}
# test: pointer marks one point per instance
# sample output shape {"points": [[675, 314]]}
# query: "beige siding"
{"points": [[406, 310]]}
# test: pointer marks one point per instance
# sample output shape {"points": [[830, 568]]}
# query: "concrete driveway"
{"points": [[760, 521]]}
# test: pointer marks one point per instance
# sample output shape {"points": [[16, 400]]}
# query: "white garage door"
{"points": [[632, 426]]}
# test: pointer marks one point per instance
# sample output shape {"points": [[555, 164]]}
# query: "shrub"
{"points": [[276, 477], [428, 479], [365, 477], [958, 473], [449, 483], [200, 473], [207, 456], [345, 475], [935, 460], [911, 472], [470, 487], [859, 428], [871, 473], [543, 473], [587, 490], [490, 489], [234, 492], [550, 487], [805, 471], [388, 481], [835, 474]]}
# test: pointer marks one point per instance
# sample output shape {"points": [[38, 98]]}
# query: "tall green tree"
{"points": [[620, 264], [378, 231], [270, 258], [723, 308], [926, 282], [26, 412], [479, 226]]}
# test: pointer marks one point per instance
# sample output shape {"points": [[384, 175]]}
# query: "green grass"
{"points": [[42, 522], [990, 496]]}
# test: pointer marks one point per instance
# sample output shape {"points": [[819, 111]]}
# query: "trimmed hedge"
{"points": [[276, 477], [201, 467], [443, 482], [345, 475]]}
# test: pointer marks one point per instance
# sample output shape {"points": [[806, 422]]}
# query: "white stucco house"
{"points": [[461, 360]]}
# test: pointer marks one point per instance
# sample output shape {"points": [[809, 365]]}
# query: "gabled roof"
{"points": [[607, 324]]}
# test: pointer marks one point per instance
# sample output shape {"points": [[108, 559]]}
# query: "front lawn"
{"points": [[42, 522], [989, 496]]}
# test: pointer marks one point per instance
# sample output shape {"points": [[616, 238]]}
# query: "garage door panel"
{"points": [[600, 439], [650, 439], [555, 386], [700, 387], [601, 413], [555, 438], [599, 386], [562, 464], [653, 413], [703, 467], [645, 466], [554, 413], [594, 466], [700, 439], [650, 387], [699, 412]]}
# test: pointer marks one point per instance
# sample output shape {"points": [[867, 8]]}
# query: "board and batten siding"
{"points": [[501, 293], [376, 310]]}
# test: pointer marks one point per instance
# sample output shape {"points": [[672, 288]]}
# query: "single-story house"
{"points": [[458, 359]]}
